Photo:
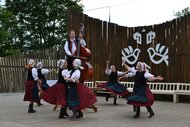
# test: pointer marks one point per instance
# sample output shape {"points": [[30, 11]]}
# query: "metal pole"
{"points": [[109, 13]]}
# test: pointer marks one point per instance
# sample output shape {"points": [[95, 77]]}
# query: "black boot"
{"points": [[137, 115], [80, 114], [134, 108], [63, 114], [115, 101], [75, 114], [39, 102], [30, 108], [107, 97], [150, 111]]}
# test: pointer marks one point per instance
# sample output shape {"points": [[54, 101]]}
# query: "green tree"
{"points": [[182, 13], [40, 23], [6, 23]]}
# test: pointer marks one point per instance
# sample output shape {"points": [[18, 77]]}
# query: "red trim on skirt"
{"points": [[150, 97], [55, 95]]}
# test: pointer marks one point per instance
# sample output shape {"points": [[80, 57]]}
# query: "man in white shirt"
{"points": [[71, 47]]}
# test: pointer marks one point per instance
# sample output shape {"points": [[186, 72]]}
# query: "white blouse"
{"points": [[66, 73], [34, 74], [119, 73], [76, 75], [132, 72], [44, 71], [74, 48]]}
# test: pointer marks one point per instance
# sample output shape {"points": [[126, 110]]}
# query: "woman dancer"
{"points": [[79, 97], [57, 94], [41, 75], [141, 96], [32, 85], [113, 85]]}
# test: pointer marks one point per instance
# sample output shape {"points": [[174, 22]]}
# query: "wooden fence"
{"points": [[13, 74], [106, 41]]}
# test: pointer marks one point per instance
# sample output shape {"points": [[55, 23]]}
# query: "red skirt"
{"points": [[150, 98], [86, 97], [115, 88], [55, 95], [29, 91]]}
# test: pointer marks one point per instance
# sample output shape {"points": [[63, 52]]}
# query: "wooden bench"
{"points": [[182, 89]]}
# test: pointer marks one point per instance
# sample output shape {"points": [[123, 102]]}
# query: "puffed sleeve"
{"points": [[34, 74], [130, 74], [108, 71], [44, 71], [132, 70], [76, 75], [66, 47], [120, 73], [147, 75], [65, 73]]}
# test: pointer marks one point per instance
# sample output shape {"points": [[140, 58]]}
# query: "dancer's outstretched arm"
{"points": [[157, 78], [107, 71]]}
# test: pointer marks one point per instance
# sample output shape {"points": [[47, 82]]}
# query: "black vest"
{"points": [[60, 77], [140, 80], [40, 75], [29, 75], [113, 77], [76, 41]]}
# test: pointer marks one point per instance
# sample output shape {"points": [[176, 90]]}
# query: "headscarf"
{"points": [[143, 66], [30, 64], [77, 63], [60, 63], [39, 65]]}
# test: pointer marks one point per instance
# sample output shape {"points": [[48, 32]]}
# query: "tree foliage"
{"points": [[35, 24], [182, 13], [7, 22]]}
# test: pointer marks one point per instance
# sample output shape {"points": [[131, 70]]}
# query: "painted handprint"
{"points": [[129, 55], [150, 36], [159, 54], [138, 37]]}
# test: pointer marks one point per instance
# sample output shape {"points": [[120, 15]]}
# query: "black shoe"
{"points": [[134, 108], [151, 114], [63, 114], [67, 116], [150, 111], [136, 116], [107, 98], [30, 109], [74, 116], [80, 113], [39, 104], [115, 101]]}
